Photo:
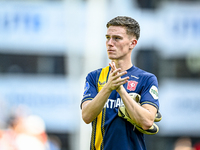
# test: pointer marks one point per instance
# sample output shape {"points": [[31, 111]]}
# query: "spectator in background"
{"points": [[197, 146], [183, 143], [33, 135], [8, 135], [26, 132]]}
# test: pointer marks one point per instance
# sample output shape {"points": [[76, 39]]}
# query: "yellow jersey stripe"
{"points": [[99, 137], [99, 133], [103, 78]]}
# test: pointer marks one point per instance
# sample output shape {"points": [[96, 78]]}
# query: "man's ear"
{"points": [[133, 43]]}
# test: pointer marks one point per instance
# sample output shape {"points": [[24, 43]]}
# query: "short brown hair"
{"points": [[132, 26]]}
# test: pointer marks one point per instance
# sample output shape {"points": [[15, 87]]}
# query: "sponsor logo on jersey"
{"points": [[86, 88], [111, 103], [102, 83], [154, 92], [86, 95], [132, 85], [134, 77]]}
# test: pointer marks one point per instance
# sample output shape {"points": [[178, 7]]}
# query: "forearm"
{"points": [[142, 116], [91, 109]]}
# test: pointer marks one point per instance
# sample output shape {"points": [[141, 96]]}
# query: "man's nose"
{"points": [[110, 41]]}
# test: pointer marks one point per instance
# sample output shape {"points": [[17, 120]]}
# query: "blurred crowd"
{"points": [[185, 143], [27, 133]]}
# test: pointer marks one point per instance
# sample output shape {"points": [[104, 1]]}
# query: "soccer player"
{"points": [[106, 89]]}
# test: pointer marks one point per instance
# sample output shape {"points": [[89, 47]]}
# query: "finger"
{"points": [[112, 66], [121, 81], [118, 74], [116, 71]]}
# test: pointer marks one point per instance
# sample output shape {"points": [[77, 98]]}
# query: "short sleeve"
{"points": [[149, 93], [90, 87]]}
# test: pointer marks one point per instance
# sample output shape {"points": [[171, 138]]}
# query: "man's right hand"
{"points": [[114, 80]]}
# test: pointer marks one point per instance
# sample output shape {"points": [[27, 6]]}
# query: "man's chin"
{"points": [[112, 57]]}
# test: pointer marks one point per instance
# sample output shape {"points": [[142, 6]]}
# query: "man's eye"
{"points": [[117, 38]]}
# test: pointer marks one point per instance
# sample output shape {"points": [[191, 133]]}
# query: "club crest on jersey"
{"points": [[86, 88], [132, 85], [154, 92]]}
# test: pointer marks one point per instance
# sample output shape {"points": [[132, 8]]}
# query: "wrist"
{"points": [[121, 89], [107, 89]]}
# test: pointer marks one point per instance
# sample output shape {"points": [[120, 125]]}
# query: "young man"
{"points": [[106, 89]]}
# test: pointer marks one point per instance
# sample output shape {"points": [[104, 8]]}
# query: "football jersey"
{"points": [[109, 131]]}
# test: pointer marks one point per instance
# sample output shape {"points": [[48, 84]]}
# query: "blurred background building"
{"points": [[47, 47]]}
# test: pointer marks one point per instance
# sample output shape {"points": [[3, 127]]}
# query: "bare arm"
{"points": [[91, 109], [143, 115]]}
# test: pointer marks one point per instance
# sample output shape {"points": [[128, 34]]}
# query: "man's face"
{"points": [[118, 43]]}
